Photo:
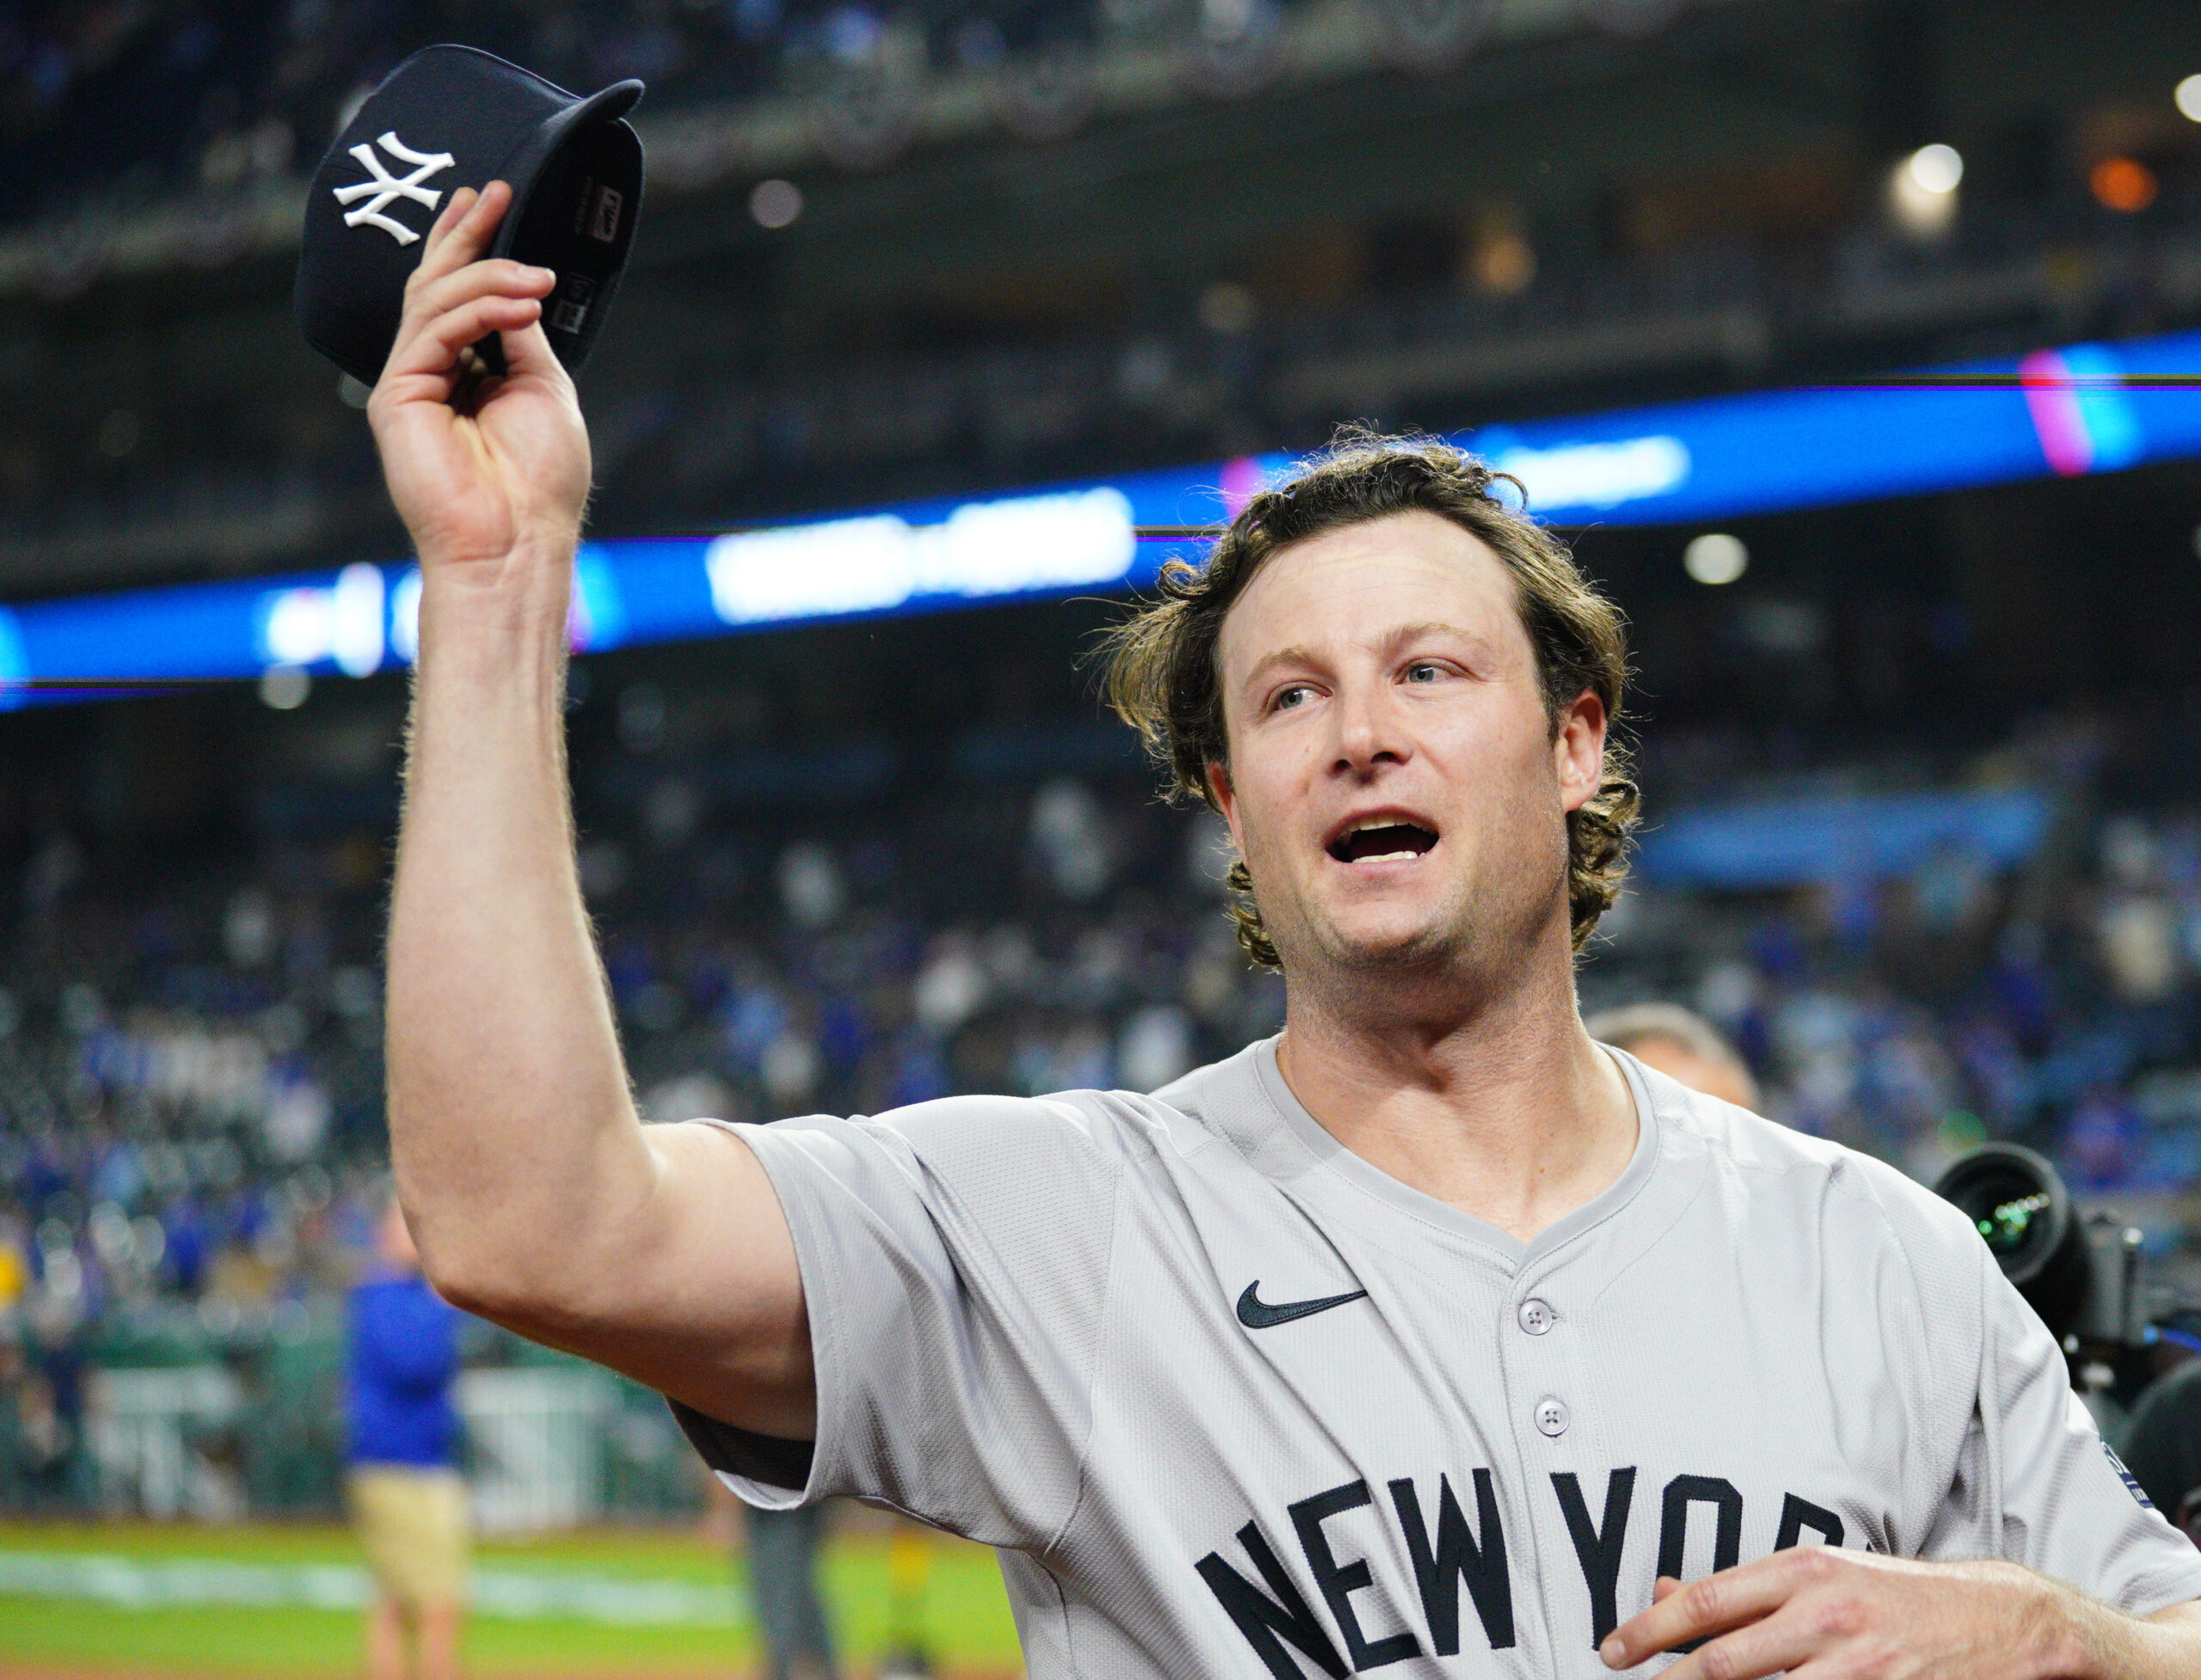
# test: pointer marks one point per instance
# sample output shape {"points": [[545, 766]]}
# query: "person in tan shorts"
{"points": [[407, 1502]]}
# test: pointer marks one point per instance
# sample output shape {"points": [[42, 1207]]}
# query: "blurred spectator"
{"points": [[51, 1402], [1681, 1046], [39, 1445], [407, 1499], [783, 1581]]}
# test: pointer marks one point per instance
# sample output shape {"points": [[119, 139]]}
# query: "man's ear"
{"points": [[1226, 800], [1578, 748]]}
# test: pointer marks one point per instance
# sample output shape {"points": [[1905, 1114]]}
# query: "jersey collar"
{"points": [[1372, 1181]]}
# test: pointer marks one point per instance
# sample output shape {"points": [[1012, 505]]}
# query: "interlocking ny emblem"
{"points": [[386, 188]]}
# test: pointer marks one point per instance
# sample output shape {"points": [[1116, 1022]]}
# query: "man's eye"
{"points": [[1423, 672], [1289, 698]]}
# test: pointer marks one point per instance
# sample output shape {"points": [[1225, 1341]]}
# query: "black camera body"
{"points": [[2081, 1271]]}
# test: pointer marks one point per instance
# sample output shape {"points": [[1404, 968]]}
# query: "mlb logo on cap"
{"points": [[451, 117]]}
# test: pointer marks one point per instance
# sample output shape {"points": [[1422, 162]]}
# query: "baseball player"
{"points": [[1427, 1336]]}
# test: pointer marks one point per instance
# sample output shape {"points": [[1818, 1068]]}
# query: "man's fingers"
{"points": [[1777, 1643], [477, 283], [1711, 1605], [461, 235], [435, 349], [447, 219], [435, 261], [455, 298], [498, 275], [472, 224]]}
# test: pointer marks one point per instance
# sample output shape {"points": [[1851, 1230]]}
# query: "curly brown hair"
{"points": [[1163, 679]]}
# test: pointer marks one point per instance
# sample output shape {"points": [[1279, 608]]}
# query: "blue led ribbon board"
{"points": [[2084, 408]]}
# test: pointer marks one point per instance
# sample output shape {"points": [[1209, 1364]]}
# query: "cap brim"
{"points": [[615, 101], [521, 163], [609, 106]]}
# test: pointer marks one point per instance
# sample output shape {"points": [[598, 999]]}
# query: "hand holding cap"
{"points": [[451, 117]]}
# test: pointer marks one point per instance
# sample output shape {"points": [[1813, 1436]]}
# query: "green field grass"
{"points": [[963, 1620]]}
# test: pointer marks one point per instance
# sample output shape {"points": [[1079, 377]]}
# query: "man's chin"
{"points": [[1392, 944]]}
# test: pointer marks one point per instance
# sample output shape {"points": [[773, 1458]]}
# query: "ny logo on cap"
{"points": [[387, 188]]}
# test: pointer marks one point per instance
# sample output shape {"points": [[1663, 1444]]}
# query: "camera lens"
{"points": [[2014, 1210], [2018, 1203]]}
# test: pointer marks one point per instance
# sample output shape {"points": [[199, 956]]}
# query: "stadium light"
{"points": [[285, 687], [775, 204], [1715, 558], [1504, 263], [2123, 184], [2188, 95], [1922, 190], [1936, 169]]}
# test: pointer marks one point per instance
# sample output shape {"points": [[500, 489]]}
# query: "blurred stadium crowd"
{"points": [[190, 1104]]}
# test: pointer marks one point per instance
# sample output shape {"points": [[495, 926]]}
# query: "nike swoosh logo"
{"points": [[1257, 1314]]}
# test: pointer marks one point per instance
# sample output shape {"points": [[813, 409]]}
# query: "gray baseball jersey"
{"points": [[1232, 1401]]}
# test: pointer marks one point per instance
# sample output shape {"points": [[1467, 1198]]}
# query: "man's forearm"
{"points": [[2064, 1634], [508, 1105], [2110, 1645]]}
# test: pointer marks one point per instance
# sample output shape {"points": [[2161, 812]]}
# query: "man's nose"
{"points": [[1368, 731]]}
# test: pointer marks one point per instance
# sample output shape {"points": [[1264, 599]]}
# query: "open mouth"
{"points": [[1386, 840]]}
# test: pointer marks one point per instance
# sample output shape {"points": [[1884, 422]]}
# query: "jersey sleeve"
{"points": [[955, 1261], [2037, 1483]]}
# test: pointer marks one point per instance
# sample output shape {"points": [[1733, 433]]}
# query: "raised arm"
{"points": [[537, 1196]]}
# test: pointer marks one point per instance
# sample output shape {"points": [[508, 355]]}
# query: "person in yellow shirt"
{"points": [[15, 1272]]}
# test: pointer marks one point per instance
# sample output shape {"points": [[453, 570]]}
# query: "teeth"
{"points": [[1363, 826]]}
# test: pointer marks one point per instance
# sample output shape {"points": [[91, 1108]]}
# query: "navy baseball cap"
{"points": [[451, 117]]}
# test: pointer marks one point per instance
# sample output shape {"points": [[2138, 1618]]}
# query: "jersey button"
{"points": [[1551, 1417], [1535, 1316]]}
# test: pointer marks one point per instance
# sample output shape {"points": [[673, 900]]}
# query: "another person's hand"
{"points": [[1820, 1612], [484, 467]]}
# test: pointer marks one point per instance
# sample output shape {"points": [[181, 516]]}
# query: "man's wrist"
{"points": [[532, 557], [530, 580], [2077, 1638], [497, 620]]}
